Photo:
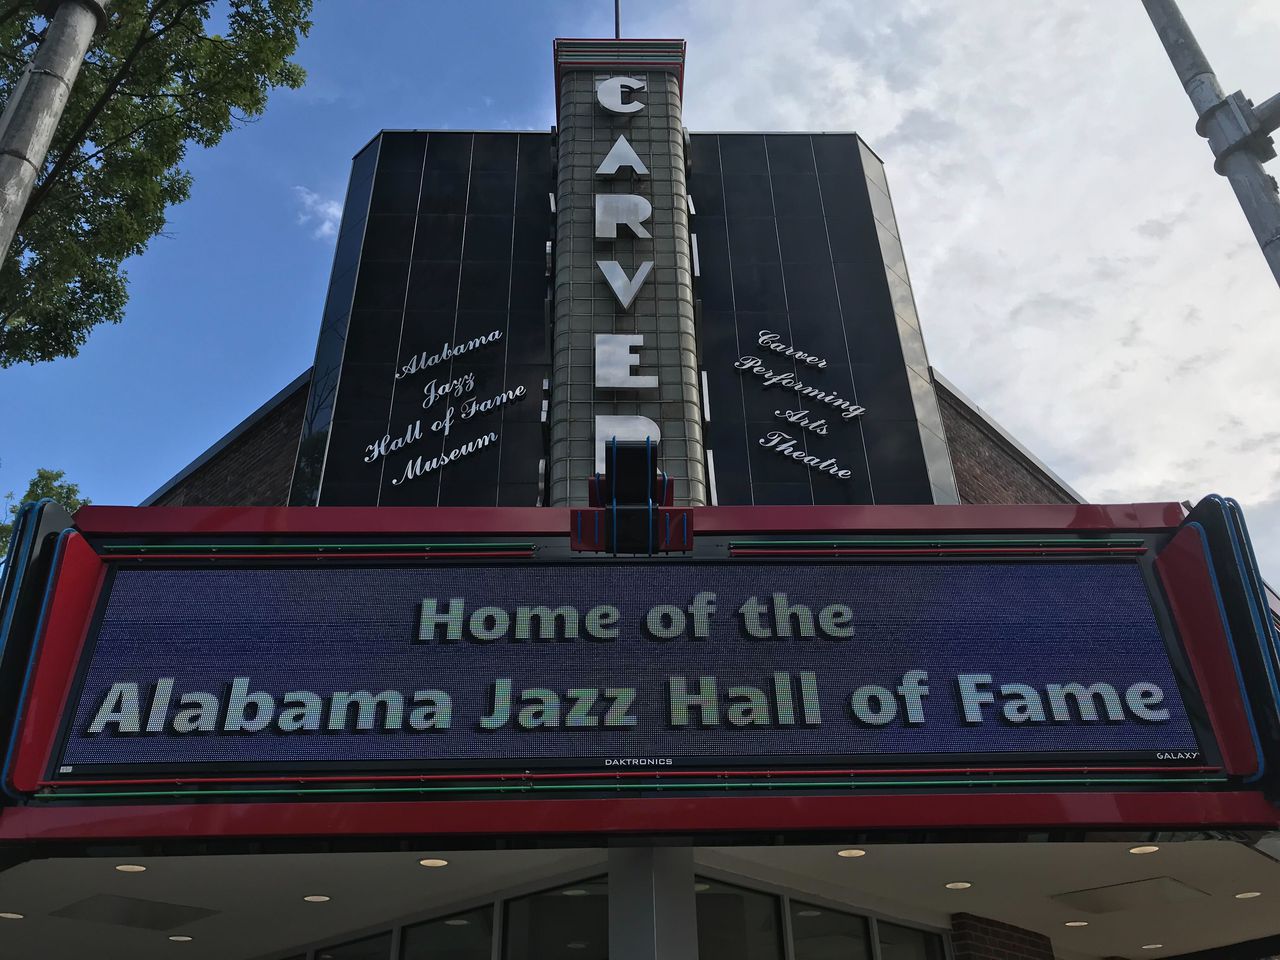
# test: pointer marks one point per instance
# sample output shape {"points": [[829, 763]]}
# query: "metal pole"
{"points": [[1237, 131], [652, 908], [35, 106], [617, 19]]}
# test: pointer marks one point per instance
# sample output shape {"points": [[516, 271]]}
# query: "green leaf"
{"points": [[45, 484], [160, 78]]}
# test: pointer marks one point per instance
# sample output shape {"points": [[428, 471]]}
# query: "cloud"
{"points": [[321, 215], [920, 127], [1079, 268], [1160, 228]]}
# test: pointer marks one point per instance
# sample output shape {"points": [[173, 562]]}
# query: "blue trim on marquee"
{"points": [[46, 604], [614, 487], [1231, 646], [25, 524], [648, 486], [1261, 620]]}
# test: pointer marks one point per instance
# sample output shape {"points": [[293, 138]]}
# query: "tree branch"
{"points": [[123, 138], [12, 11]]}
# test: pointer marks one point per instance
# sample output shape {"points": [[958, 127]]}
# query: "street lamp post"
{"points": [[35, 106], [1237, 131]]}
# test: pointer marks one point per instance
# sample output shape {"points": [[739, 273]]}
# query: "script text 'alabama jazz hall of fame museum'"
{"points": [[622, 581]]}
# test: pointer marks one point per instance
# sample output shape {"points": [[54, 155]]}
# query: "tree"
{"points": [[164, 75], [46, 483]]}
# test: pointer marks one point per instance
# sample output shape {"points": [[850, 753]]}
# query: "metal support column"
{"points": [[1236, 130], [651, 905], [31, 116]]}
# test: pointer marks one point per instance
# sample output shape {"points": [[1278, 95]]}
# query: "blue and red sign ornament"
{"points": [[1045, 658]]}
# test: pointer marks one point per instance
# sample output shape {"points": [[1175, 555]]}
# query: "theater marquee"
{"points": [[904, 649], [577, 667]]}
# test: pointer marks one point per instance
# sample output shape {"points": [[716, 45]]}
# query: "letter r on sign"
{"points": [[621, 209], [622, 428]]}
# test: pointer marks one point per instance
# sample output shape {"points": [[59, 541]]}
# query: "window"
{"points": [[819, 933], [905, 943], [569, 923], [463, 936], [737, 924], [370, 948]]}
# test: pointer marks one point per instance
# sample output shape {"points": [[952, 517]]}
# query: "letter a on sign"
{"points": [[621, 155], [614, 362]]}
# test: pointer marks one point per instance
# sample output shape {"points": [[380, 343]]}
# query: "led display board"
{"points": [[591, 666]]}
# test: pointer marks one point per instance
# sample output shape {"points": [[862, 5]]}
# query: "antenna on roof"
{"points": [[617, 19]]}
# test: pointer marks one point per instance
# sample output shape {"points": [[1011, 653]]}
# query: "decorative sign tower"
{"points": [[503, 304], [624, 357]]}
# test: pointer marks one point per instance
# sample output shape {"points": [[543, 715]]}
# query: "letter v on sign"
{"points": [[624, 288]]}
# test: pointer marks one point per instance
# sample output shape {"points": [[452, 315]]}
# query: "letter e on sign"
{"points": [[614, 361]]}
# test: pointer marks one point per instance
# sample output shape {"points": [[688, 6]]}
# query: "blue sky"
{"points": [[1080, 270]]}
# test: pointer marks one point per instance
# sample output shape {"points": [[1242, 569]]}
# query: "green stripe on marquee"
{"points": [[719, 785], [960, 541]]}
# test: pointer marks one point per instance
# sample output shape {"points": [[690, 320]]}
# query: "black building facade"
{"points": [[798, 247], [455, 273], [444, 243]]}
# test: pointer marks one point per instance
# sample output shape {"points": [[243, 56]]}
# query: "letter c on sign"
{"points": [[610, 91]]}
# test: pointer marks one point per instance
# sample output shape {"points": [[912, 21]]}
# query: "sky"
{"points": [[1080, 270]]}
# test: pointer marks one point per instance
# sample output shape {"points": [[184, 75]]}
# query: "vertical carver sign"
{"points": [[624, 355]]}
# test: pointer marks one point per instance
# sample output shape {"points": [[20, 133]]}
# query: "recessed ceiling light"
{"points": [[851, 853], [959, 885], [131, 868], [1076, 923], [808, 913], [1248, 894], [433, 862], [457, 922], [11, 916], [180, 939], [576, 945], [1148, 848], [1152, 946], [575, 892], [701, 887], [317, 898]]}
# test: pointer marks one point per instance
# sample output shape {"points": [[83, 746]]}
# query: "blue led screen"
{"points": [[591, 665]]}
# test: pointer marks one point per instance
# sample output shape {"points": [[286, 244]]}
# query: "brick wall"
{"points": [[977, 938], [990, 469], [253, 469]]}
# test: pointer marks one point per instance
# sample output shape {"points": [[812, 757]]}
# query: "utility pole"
{"points": [[35, 106], [1237, 131], [617, 19]]}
